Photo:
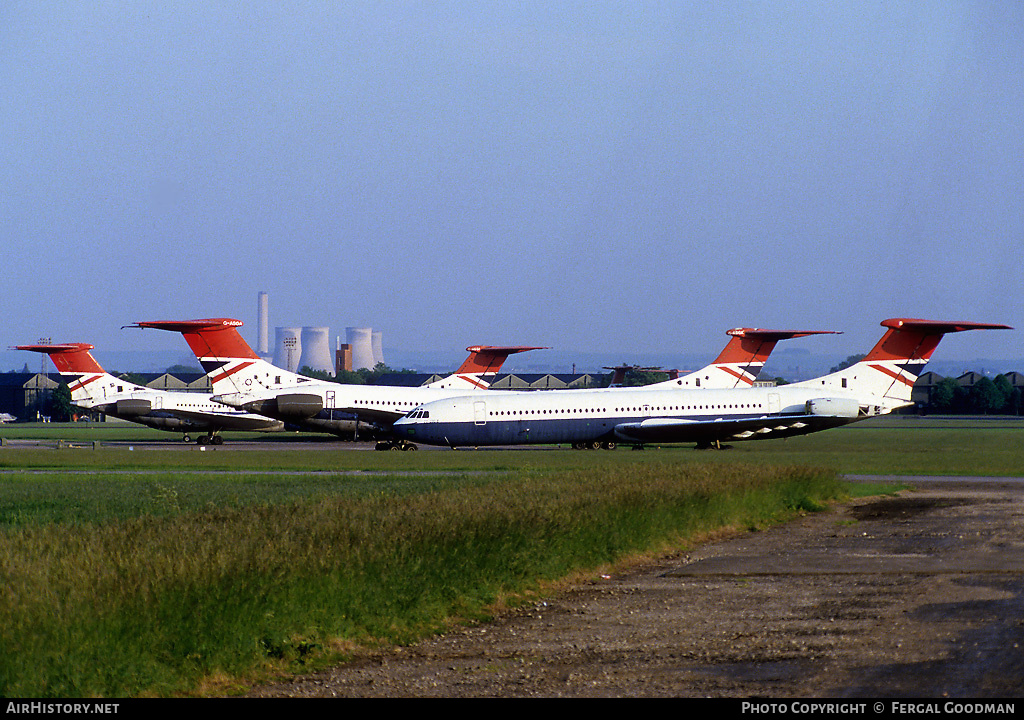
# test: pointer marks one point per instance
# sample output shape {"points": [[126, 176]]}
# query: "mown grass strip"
{"points": [[897, 445], [158, 605]]}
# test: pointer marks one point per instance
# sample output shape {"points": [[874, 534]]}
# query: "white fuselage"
{"points": [[636, 415], [163, 409]]}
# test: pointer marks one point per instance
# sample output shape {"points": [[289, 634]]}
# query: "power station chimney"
{"points": [[263, 327]]}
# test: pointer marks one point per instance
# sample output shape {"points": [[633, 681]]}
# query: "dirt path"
{"points": [[919, 595]]}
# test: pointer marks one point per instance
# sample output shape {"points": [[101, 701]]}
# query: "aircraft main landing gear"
{"points": [[395, 445]]}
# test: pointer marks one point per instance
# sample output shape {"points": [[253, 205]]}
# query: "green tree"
{"points": [[1004, 391], [367, 376], [638, 378], [61, 408], [984, 397], [316, 374], [944, 396], [1014, 404]]}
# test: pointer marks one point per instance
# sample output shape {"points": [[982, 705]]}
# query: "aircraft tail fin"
{"points": [[75, 362], [742, 359], [211, 337], [893, 365], [232, 365], [478, 369], [68, 358]]}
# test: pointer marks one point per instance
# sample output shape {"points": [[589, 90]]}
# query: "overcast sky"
{"points": [[636, 176]]}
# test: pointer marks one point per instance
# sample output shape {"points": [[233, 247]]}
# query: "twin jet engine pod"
{"points": [[838, 407], [129, 408]]}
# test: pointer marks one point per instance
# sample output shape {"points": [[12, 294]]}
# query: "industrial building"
{"points": [[310, 346]]}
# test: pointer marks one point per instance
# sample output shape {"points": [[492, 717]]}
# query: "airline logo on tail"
{"points": [[227, 358], [234, 367], [748, 350], [742, 359], [481, 366], [73, 360], [894, 364]]}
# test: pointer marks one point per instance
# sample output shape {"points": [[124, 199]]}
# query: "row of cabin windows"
{"points": [[740, 406]]}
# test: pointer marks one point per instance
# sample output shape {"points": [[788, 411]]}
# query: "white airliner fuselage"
{"points": [[879, 384], [242, 380], [634, 415], [94, 389]]}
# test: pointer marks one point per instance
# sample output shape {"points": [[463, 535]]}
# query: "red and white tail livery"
{"points": [[888, 372], [92, 388], [479, 369], [242, 379], [741, 361], [879, 384]]}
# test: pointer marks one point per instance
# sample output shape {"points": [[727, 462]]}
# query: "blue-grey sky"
{"points": [[633, 176]]}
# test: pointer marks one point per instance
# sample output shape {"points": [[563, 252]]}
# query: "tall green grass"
{"points": [[159, 604]]}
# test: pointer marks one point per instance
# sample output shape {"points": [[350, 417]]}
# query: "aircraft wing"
{"points": [[223, 421], [373, 415], [705, 432]]}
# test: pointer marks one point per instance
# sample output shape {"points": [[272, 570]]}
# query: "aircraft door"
{"points": [[479, 412], [773, 403]]}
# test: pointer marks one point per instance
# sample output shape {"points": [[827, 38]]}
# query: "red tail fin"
{"points": [[211, 337], [915, 339], [755, 345], [68, 357], [489, 358]]}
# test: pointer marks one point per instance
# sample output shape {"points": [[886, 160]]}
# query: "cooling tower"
{"points": [[263, 329], [287, 348], [361, 341], [378, 347], [316, 349]]}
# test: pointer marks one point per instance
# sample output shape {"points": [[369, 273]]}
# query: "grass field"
{"points": [[144, 571]]}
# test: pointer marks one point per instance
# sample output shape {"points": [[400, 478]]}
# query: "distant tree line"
{"points": [[362, 376], [995, 396]]}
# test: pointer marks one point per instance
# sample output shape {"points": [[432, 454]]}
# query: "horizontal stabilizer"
{"points": [[68, 357], [489, 358], [208, 337], [916, 339], [756, 344]]}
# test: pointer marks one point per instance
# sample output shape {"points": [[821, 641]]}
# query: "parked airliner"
{"points": [[92, 388], [877, 385], [243, 380]]}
